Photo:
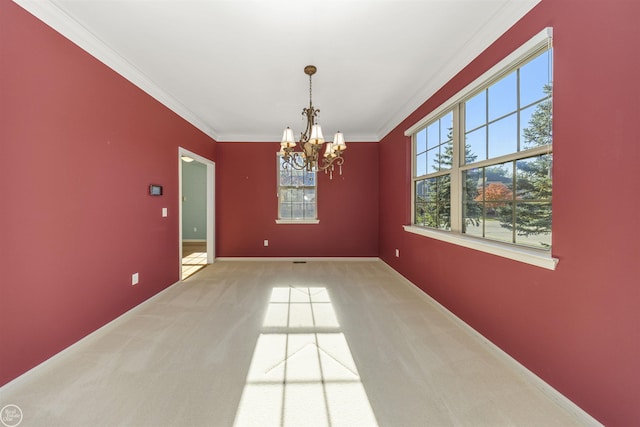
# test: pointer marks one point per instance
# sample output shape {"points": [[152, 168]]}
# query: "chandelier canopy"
{"points": [[312, 153]]}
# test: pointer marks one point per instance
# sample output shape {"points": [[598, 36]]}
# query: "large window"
{"points": [[296, 194], [482, 162]]}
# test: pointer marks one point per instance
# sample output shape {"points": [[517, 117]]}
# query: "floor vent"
{"points": [[299, 262]]}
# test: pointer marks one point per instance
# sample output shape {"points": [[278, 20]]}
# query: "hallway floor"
{"points": [[194, 258], [275, 343]]}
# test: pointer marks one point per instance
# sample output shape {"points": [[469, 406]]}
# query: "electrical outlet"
{"points": [[195, 229], [135, 279], [164, 212], [266, 242], [397, 253]]}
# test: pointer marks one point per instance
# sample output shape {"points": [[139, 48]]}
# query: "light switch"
{"points": [[164, 212]]}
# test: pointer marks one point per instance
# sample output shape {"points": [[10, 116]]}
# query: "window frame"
{"points": [[538, 257], [279, 187]]}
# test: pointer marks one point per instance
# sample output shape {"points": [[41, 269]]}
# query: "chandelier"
{"points": [[311, 153]]}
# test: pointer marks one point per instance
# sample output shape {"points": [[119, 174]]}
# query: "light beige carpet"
{"points": [[280, 344]]}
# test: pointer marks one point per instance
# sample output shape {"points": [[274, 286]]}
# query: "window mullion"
{"points": [[413, 180], [530, 152], [456, 178]]}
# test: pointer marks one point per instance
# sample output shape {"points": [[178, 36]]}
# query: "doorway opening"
{"points": [[197, 225]]}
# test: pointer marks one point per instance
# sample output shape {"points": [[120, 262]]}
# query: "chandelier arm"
{"points": [[298, 163], [291, 160], [335, 161]]}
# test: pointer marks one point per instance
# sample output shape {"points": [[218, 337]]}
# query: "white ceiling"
{"points": [[234, 68]]}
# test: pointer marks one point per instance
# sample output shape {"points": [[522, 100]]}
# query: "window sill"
{"points": [[517, 253], [297, 221]]}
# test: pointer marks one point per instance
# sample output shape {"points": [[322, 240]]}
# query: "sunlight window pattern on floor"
{"points": [[302, 371], [193, 263]]}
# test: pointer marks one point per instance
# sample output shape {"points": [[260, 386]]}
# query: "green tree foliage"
{"points": [[433, 195], [433, 207], [538, 132], [532, 201]]}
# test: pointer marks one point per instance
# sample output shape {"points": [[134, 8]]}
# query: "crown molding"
{"points": [[236, 137], [54, 17], [500, 22]]}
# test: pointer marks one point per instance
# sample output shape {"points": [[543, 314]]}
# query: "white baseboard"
{"points": [[560, 399], [292, 259], [101, 330]]}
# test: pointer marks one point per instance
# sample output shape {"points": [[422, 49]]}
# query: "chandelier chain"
{"points": [[310, 98]]}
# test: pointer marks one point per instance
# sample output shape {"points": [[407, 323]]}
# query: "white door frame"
{"points": [[211, 242]]}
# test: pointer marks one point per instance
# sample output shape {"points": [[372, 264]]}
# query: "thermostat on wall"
{"points": [[155, 190]]}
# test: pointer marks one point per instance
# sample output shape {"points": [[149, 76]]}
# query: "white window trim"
{"points": [[539, 258], [531, 256], [297, 221], [293, 221]]}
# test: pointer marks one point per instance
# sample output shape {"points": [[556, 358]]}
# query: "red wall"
{"points": [[247, 205], [577, 327], [80, 145]]}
